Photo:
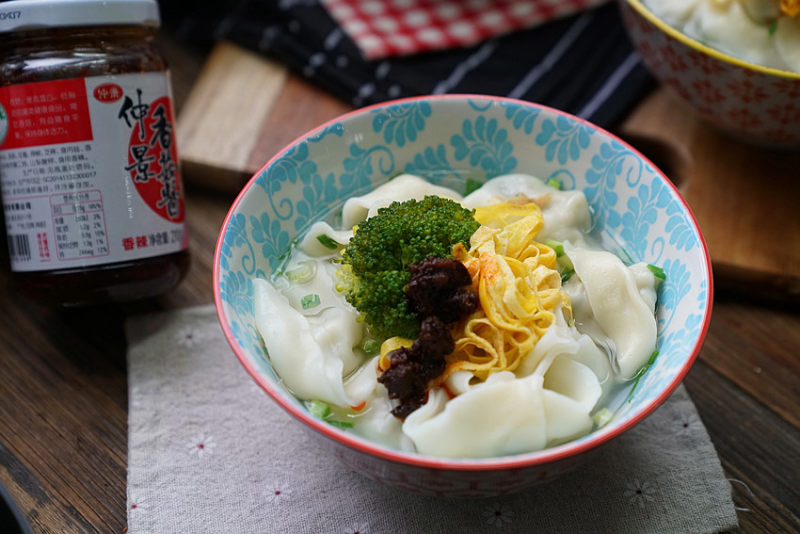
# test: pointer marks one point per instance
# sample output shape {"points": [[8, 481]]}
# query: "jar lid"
{"points": [[19, 15]]}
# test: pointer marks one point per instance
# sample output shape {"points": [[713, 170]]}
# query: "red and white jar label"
{"points": [[89, 171]]}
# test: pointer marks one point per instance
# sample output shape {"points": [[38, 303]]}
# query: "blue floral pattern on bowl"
{"points": [[452, 141]]}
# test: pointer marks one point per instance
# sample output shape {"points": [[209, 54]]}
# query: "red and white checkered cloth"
{"points": [[383, 28]]}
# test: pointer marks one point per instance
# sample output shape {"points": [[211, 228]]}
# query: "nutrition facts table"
{"points": [[79, 225]]}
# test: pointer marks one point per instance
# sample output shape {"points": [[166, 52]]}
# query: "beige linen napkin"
{"points": [[210, 452]]}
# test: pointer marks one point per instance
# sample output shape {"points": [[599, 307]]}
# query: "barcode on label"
{"points": [[19, 247]]}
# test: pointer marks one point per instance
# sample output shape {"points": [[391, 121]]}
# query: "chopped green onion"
{"points": [[772, 27], [310, 301], [628, 259], [565, 266], [303, 273], [327, 242], [658, 272], [555, 245], [341, 424], [371, 346], [471, 185], [602, 417], [319, 409], [552, 182], [641, 373], [288, 251], [565, 263]]}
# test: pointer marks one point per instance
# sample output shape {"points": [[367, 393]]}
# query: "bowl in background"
{"points": [[760, 105], [449, 140]]}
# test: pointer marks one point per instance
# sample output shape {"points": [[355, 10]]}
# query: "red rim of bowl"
{"points": [[364, 446]]}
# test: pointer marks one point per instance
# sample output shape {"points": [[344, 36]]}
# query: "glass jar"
{"points": [[91, 188]]}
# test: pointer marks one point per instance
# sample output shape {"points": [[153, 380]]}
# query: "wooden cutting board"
{"points": [[244, 108]]}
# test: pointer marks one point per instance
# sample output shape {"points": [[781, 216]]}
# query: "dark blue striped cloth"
{"points": [[583, 64]]}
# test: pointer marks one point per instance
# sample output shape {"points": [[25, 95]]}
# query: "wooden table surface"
{"points": [[63, 388]]}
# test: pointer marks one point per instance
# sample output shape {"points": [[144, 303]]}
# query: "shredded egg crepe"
{"points": [[790, 8], [518, 287]]}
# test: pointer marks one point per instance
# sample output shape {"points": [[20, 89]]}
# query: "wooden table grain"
{"points": [[63, 389]]}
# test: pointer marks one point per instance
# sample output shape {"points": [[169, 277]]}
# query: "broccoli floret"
{"points": [[375, 262]]}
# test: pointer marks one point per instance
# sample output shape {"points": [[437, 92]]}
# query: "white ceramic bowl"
{"points": [[758, 104], [449, 139]]}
